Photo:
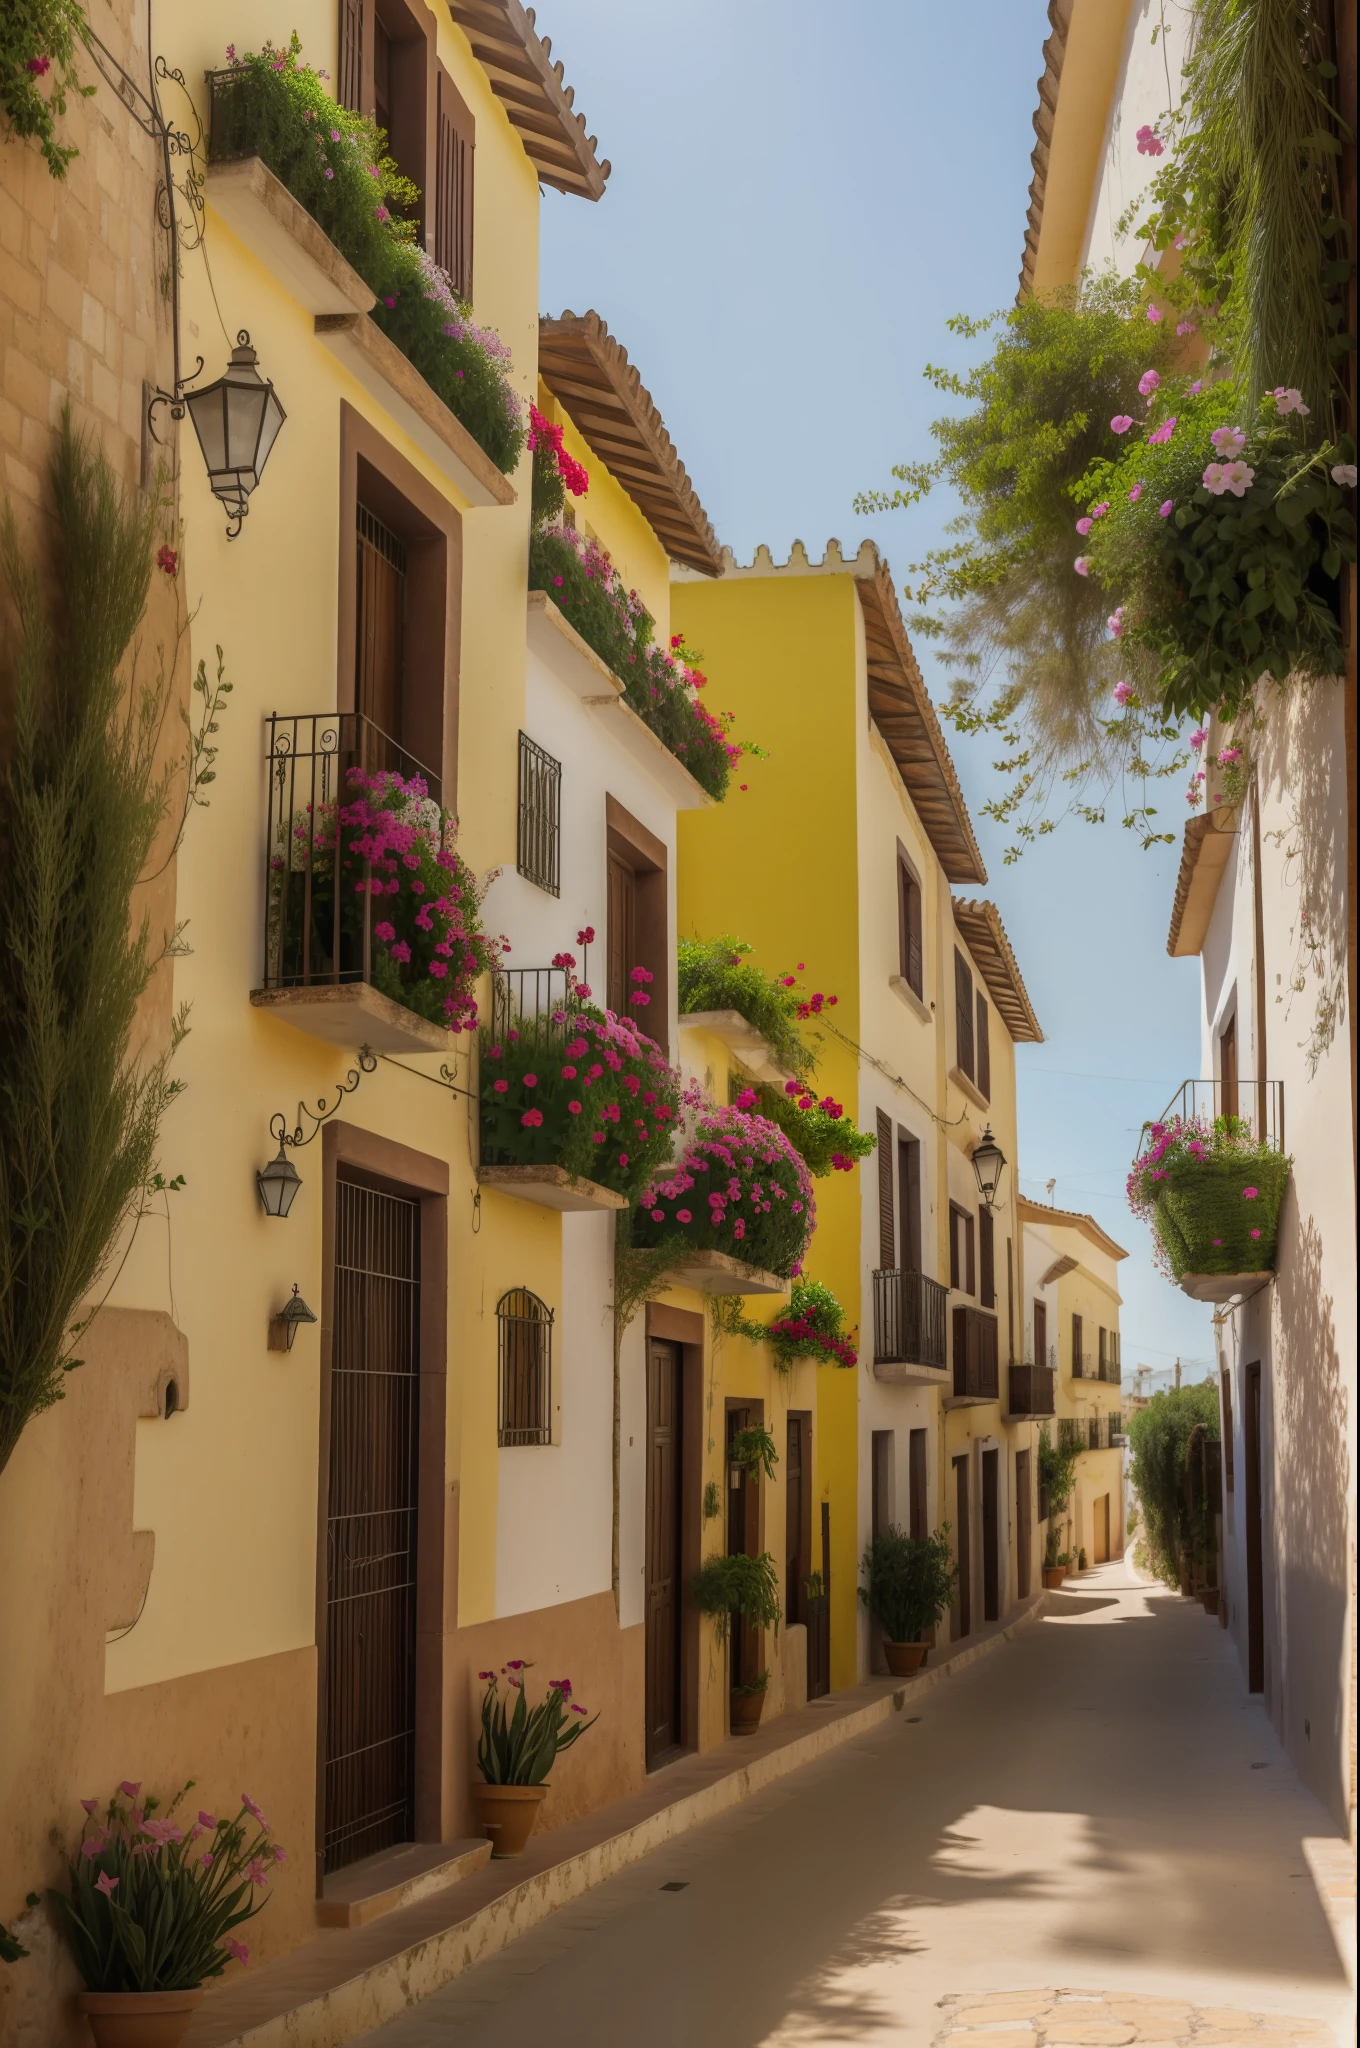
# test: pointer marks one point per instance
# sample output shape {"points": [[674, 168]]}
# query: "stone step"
{"points": [[396, 1878]]}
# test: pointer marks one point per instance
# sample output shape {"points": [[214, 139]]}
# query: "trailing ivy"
{"points": [[82, 802], [38, 44]]}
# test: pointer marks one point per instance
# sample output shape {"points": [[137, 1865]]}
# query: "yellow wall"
{"points": [[609, 513], [1095, 46]]}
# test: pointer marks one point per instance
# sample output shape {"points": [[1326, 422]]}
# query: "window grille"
{"points": [[524, 1343], [540, 816]]}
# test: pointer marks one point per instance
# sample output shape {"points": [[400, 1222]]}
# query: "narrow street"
{"points": [[1098, 1808]]}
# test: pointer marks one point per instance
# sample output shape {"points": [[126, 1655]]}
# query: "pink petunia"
{"points": [[1289, 400], [1149, 141], [1228, 442], [1155, 315], [1135, 494], [1084, 527], [1121, 422], [1082, 565], [1162, 434], [1149, 382], [106, 1884], [1250, 1194], [1165, 510]]}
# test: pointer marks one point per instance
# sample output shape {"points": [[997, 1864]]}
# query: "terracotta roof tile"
{"points": [[981, 926], [530, 87], [1059, 21]]}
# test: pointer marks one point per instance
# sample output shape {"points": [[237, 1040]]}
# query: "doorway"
{"points": [[743, 1540], [962, 1612], [665, 1494], [917, 1445], [1023, 1525], [819, 1617], [797, 1517], [991, 1535], [1251, 1447], [371, 1527], [1100, 1530]]}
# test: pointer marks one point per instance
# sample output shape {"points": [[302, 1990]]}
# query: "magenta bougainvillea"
{"points": [[738, 1187]]}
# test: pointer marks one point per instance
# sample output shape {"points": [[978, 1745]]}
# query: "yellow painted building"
{"points": [[839, 856]]}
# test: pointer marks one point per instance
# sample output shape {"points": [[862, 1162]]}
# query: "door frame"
{"points": [[1254, 1526], [684, 1327], [415, 1176]]}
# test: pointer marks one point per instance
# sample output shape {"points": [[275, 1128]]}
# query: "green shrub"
{"points": [[753, 1450], [1160, 1436], [334, 164], [1057, 1466], [717, 974], [810, 1327], [907, 1582], [745, 1586]]}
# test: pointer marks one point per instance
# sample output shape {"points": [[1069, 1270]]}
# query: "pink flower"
{"points": [[39, 66], [532, 1118], [1198, 738], [658, 1215], [93, 1845], [1344, 473], [162, 1832], [385, 931], [256, 1872], [106, 1884], [1123, 693], [1165, 510], [128, 1789], [1228, 442], [168, 560], [683, 1216], [1149, 142], [500, 1087], [1229, 757], [401, 951], [206, 1859], [1121, 422], [1256, 1233], [205, 1820], [531, 1080], [1082, 565], [253, 1810], [1115, 622], [1162, 433], [1221, 477], [1084, 527], [237, 1950], [90, 1805], [1289, 400], [1135, 494], [1250, 1194], [1154, 314], [439, 968], [1149, 382], [575, 1108]]}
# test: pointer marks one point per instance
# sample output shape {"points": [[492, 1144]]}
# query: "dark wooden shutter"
{"points": [[1077, 1340], [955, 1262], [887, 1231], [622, 948], [454, 145], [915, 968], [1040, 1334], [917, 1447], [380, 623], [351, 79], [1101, 1354], [987, 1257], [984, 1050], [970, 1280], [963, 1014], [1229, 1463], [909, 1191]]}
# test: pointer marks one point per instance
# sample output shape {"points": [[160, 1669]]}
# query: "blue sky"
{"points": [[800, 198]]}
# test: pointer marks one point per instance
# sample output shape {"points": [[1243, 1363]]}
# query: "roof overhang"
{"points": [[902, 711], [980, 926], [1205, 852], [590, 376], [1068, 1219], [538, 105], [1082, 59]]}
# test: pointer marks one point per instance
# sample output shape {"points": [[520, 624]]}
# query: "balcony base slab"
{"points": [[1224, 1287], [351, 1014], [551, 1187], [900, 1372], [719, 1273], [971, 1401]]}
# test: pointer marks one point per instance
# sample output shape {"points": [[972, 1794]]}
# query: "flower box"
{"points": [[295, 250], [551, 1187], [1218, 1216], [740, 1038], [351, 1014], [739, 1190]]}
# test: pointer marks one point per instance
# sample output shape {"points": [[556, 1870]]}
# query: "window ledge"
{"points": [[295, 250], [740, 1038], [393, 379], [968, 1088], [900, 986], [551, 1187], [351, 1014]]}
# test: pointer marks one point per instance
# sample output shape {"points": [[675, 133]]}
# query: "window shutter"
{"points": [[887, 1233], [1101, 1339], [1077, 1335], [987, 1257], [970, 1280], [915, 968], [903, 915], [963, 1014], [984, 1049], [453, 187], [955, 1263], [352, 55]]}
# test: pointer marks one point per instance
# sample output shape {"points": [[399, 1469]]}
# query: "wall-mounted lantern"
{"points": [[237, 420], [989, 1163], [284, 1326], [278, 1183]]}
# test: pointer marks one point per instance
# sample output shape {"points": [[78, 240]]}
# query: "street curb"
{"points": [[388, 1987]]}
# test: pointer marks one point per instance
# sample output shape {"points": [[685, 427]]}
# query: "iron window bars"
{"points": [[539, 855], [524, 1327]]}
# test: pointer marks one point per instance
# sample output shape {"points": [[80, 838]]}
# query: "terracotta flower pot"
{"points": [[1054, 1574], [1209, 1595], [507, 1813], [745, 1712], [905, 1659], [139, 2019]]}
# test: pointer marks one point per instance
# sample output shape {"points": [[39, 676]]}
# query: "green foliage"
{"points": [[591, 1084], [151, 1905], [1228, 587], [520, 1745], [810, 1327], [1053, 1556], [753, 1450], [1057, 1468], [717, 974], [1205, 1220], [745, 1586], [1160, 1436], [760, 1683], [712, 1501], [907, 1582], [335, 165], [38, 43], [82, 801], [828, 1139]]}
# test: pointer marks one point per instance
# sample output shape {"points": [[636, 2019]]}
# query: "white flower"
{"points": [[1343, 473]]}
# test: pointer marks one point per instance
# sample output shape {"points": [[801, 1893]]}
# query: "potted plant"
{"points": [[753, 1451], [518, 1747], [1081, 1560], [1211, 1194], [747, 1587], [151, 1909], [1055, 1560], [907, 1583]]}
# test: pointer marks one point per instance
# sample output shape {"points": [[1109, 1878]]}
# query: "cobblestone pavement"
{"points": [[1097, 1803]]}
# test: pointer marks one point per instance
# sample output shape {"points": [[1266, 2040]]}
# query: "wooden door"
{"points": [[991, 1535], [819, 1619], [963, 1594], [909, 1187], [1251, 1452], [918, 1506], [1024, 1524], [1040, 1334], [1227, 1068], [797, 1517], [665, 1494], [622, 950], [380, 624], [880, 1482], [1100, 1530], [371, 1507]]}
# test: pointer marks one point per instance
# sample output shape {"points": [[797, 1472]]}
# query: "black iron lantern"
{"points": [[989, 1163], [237, 420], [284, 1326], [278, 1183]]}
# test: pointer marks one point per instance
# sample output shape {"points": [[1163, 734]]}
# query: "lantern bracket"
{"points": [[278, 1123]]}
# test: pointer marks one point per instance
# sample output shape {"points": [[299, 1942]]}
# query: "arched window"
{"points": [[524, 1347]]}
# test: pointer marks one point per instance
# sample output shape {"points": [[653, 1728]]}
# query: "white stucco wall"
{"points": [[1149, 86]]}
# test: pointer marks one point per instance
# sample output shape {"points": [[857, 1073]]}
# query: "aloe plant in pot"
{"points": [[906, 1583], [519, 1745]]}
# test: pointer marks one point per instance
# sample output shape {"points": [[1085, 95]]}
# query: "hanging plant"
{"points": [[752, 1450], [38, 44], [739, 1188]]}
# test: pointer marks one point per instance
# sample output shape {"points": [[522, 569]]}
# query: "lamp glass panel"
{"points": [[269, 427], [245, 407], [207, 410]]}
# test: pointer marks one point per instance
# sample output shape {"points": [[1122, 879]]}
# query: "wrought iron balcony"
{"points": [[1031, 1389], [976, 1355], [1257, 1105], [1090, 1432], [909, 1323]]}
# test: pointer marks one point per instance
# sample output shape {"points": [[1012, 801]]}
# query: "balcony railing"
{"points": [[1259, 1105], [1083, 1366], [975, 1355], [909, 1319], [316, 932], [1088, 1432], [1031, 1389], [537, 999]]}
